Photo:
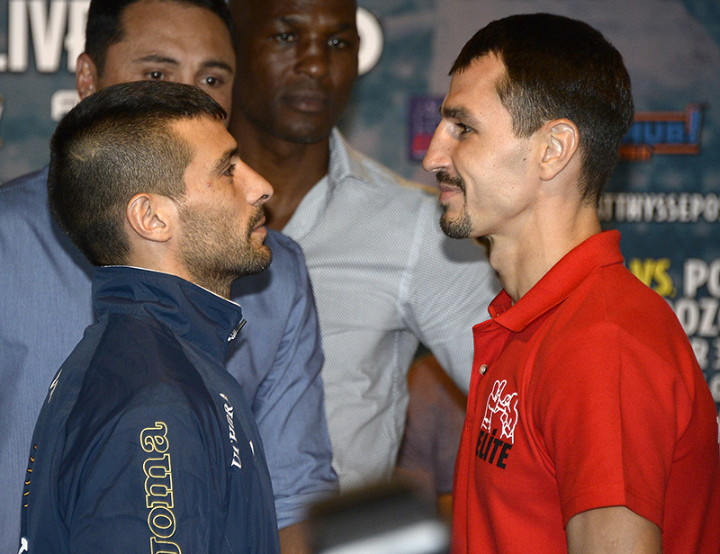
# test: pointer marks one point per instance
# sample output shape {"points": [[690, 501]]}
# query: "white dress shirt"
{"points": [[385, 279]]}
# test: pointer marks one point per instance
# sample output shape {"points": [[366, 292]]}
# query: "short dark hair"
{"points": [[557, 67], [114, 144], [104, 25]]}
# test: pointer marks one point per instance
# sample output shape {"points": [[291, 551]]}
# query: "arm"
{"points": [[605, 404], [294, 539], [281, 348], [436, 412], [290, 408], [613, 529], [450, 285]]}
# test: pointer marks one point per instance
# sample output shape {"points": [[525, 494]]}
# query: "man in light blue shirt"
{"points": [[385, 277], [45, 301]]}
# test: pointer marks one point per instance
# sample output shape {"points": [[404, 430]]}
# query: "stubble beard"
{"points": [[459, 227], [215, 254], [456, 228]]}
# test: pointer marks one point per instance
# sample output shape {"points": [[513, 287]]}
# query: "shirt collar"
{"points": [[345, 161], [599, 250], [193, 313], [345, 166]]}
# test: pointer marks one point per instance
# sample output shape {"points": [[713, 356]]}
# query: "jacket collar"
{"points": [[197, 315]]}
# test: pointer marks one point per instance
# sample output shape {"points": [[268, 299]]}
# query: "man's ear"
{"points": [[561, 141], [151, 216], [86, 76]]}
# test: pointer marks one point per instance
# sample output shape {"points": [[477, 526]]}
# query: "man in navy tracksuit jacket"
{"points": [[144, 435], [144, 443]]}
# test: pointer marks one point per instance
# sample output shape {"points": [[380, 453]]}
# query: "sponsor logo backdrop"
{"points": [[664, 197]]}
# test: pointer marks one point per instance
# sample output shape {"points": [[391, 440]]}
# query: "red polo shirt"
{"points": [[585, 394]]}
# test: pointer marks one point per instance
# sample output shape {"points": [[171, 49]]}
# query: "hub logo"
{"points": [[663, 133]]}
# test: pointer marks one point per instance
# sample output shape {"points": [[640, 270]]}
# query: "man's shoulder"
{"points": [[621, 292], [379, 178], [133, 357], [612, 302], [29, 237], [404, 213], [385, 179], [24, 212], [286, 277], [284, 249], [25, 192]]}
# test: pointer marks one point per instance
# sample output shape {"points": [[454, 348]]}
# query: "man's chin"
{"points": [[305, 129], [455, 228], [261, 261], [256, 260]]}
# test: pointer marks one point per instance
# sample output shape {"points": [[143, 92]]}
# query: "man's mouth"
{"points": [[307, 101], [448, 183], [257, 221]]}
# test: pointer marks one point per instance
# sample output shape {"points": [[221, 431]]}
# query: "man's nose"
{"points": [[258, 189], [313, 58], [437, 155]]}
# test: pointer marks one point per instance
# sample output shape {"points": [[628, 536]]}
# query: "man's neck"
{"points": [[291, 168], [522, 260]]}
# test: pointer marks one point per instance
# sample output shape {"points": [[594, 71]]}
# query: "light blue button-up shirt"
{"points": [[385, 278]]}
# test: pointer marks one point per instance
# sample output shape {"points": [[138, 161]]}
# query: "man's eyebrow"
{"points": [[217, 64], [225, 159], [454, 113], [157, 58], [340, 26], [460, 113]]}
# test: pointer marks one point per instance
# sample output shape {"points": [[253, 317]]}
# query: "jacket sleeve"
{"points": [[150, 482]]}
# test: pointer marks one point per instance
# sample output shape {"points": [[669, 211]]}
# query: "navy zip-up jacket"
{"points": [[144, 443]]}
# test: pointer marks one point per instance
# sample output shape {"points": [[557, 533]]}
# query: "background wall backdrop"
{"points": [[664, 197]]}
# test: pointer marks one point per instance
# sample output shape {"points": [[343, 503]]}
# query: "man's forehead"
{"points": [[473, 90], [483, 74], [298, 10], [162, 16], [198, 129]]}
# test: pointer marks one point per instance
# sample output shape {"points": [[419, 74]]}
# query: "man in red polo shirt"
{"points": [[590, 426]]}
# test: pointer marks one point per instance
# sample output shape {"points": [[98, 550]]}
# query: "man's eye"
{"points": [[463, 129], [212, 81], [285, 37], [230, 171], [338, 43], [155, 75]]}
